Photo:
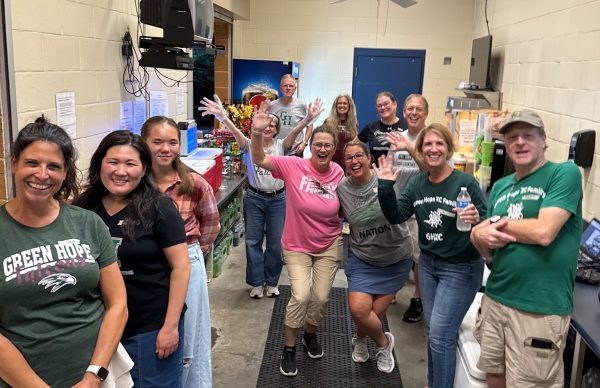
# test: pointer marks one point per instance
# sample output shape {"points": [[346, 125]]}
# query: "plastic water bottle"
{"points": [[463, 200]]}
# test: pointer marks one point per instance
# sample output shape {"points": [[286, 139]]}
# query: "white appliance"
{"points": [[467, 348]]}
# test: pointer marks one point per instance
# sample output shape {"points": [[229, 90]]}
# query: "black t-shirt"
{"points": [[374, 134], [144, 266]]}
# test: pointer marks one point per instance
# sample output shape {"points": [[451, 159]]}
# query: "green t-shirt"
{"points": [[50, 302], [432, 205], [529, 277]]}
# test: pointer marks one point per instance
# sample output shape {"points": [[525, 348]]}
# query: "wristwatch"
{"points": [[100, 372], [494, 219], [306, 144]]}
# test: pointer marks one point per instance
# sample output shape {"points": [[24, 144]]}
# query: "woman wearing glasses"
{"points": [[310, 235], [264, 199], [379, 260], [450, 268], [375, 132]]}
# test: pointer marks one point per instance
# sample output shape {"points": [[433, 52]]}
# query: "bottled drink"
{"points": [[463, 200]]}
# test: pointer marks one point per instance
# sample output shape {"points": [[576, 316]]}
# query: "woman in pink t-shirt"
{"points": [[310, 234]]}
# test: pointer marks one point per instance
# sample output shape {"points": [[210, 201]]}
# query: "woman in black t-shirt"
{"points": [[375, 132], [151, 245]]}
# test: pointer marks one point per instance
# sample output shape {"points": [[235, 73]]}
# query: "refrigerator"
{"points": [[255, 80]]}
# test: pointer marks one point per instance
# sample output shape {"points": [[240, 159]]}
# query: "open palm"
{"points": [[261, 118], [386, 169]]}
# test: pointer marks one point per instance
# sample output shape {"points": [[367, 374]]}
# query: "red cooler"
{"points": [[208, 162]]}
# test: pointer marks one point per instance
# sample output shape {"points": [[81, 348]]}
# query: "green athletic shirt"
{"points": [[50, 303], [530, 277], [432, 205]]}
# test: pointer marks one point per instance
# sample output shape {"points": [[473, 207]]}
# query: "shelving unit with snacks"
{"points": [[229, 200]]}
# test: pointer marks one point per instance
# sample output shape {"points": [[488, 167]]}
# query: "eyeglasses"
{"points": [[384, 105], [327, 146], [417, 109], [358, 156]]}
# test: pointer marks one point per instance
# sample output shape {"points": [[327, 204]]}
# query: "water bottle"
{"points": [[463, 200]]}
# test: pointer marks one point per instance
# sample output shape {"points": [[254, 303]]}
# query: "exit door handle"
{"points": [[356, 71]]}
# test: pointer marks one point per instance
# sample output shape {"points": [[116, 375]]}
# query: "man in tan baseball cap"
{"points": [[532, 235], [523, 116]]}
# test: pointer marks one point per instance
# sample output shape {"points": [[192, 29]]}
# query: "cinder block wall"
{"points": [[322, 36], [550, 54], [66, 45]]}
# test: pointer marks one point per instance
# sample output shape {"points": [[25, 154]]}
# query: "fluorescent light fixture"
{"points": [[404, 3]]}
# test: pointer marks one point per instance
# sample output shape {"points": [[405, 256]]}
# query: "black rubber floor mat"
{"points": [[336, 368]]}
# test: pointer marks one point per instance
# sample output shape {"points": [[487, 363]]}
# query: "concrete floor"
{"points": [[240, 326]]}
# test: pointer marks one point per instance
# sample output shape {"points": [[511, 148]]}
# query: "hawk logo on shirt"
{"points": [[435, 219], [515, 211], [57, 281], [310, 185]]}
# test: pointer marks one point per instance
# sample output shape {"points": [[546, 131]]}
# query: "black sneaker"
{"points": [[312, 345], [287, 367], [414, 313]]}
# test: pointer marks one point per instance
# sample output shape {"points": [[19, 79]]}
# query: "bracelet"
{"points": [[257, 133]]}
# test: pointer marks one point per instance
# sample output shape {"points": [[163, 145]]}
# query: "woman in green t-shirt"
{"points": [[450, 268]]}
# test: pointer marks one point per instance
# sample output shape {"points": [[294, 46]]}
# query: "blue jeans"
{"points": [[447, 291], [148, 370], [262, 215], [197, 341]]}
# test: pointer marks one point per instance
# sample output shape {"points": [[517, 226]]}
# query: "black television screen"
{"points": [[481, 53]]}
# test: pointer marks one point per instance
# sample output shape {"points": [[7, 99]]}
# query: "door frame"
{"points": [[8, 100], [382, 52]]}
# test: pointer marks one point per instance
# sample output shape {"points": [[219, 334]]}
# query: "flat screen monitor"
{"points": [[481, 53], [178, 18], [203, 18]]}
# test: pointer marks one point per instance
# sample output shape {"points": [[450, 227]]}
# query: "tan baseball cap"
{"points": [[523, 116]]}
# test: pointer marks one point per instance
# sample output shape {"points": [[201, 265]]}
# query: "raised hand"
{"points": [[386, 169], [261, 118], [315, 109], [398, 141], [215, 108]]}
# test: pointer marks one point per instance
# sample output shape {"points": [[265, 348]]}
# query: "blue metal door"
{"points": [[375, 70]]}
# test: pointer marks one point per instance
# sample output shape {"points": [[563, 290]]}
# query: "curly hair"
{"points": [[351, 123], [42, 130]]}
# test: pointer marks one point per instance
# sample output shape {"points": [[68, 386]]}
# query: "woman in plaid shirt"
{"points": [[196, 204]]}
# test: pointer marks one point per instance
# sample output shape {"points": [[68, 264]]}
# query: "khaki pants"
{"points": [[526, 347], [311, 277]]}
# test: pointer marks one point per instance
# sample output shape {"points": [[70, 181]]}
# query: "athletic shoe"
{"points": [[414, 313], [312, 345], [256, 292], [385, 358], [360, 353], [287, 367], [272, 291]]}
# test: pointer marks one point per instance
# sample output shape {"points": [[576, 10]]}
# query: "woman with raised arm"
{"points": [[264, 199], [310, 235], [343, 120], [450, 268], [196, 204], [151, 246], [379, 258], [62, 299]]}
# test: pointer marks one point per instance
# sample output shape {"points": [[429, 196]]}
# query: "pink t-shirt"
{"points": [[312, 206]]}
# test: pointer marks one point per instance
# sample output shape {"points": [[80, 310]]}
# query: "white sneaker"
{"points": [[257, 292], [360, 353], [272, 291], [385, 358]]}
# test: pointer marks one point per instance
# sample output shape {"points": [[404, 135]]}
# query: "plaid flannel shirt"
{"points": [[199, 212]]}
